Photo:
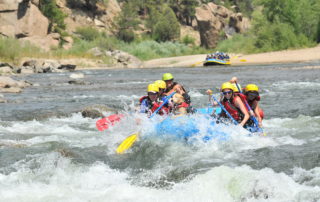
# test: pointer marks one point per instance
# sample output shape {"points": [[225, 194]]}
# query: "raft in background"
{"points": [[213, 61]]}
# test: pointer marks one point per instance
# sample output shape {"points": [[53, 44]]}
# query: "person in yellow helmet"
{"points": [[149, 103], [233, 104], [251, 96], [251, 92], [174, 86], [162, 87]]}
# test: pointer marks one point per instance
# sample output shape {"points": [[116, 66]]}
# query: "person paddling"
{"points": [[233, 104], [174, 87], [149, 103], [162, 87], [252, 95]]}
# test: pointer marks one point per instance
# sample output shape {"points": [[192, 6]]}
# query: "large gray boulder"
{"points": [[96, 111], [123, 59], [215, 20], [21, 18]]}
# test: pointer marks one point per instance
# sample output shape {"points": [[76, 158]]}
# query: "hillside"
{"points": [[149, 29]]}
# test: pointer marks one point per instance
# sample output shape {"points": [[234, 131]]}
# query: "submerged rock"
{"points": [[96, 111]]}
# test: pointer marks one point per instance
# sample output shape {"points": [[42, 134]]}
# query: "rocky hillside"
{"points": [[26, 21]]}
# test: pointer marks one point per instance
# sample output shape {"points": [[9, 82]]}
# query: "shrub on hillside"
{"points": [[88, 33], [53, 13], [188, 40], [12, 49], [168, 27]]}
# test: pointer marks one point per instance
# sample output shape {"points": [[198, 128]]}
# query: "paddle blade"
{"points": [[104, 123], [127, 143]]}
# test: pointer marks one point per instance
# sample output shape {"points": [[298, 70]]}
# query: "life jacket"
{"points": [[234, 111], [185, 95], [153, 106], [184, 104], [243, 98]]}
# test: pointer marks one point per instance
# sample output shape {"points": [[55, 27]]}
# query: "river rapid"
{"points": [[49, 152]]}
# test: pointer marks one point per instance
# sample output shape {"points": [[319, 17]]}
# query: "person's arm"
{"points": [[257, 113], [243, 109], [233, 80]]}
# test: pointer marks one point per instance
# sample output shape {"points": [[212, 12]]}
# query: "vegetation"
{"points": [[167, 28], [278, 25], [54, 14], [11, 49], [151, 29]]}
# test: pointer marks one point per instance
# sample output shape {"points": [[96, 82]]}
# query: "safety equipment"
{"points": [[236, 90], [227, 85], [167, 76], [161, 84], [252, 87], [153, 88]]}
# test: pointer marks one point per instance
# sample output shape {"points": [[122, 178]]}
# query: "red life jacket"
{"points": [[153, 106], [251, 103], [234, 111], [243, 99], [184, 104], [164, 110]]}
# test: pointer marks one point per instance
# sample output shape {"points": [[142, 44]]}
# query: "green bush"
{"points": [[188, 40], [238, 44], [12, 50], [53, 13], [126, 35], [147, 50], [168, 27], [88, 33]]}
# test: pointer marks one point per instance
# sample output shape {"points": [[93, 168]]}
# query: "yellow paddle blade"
{"points": [[243, 60], [197, 63], [127, 143]]}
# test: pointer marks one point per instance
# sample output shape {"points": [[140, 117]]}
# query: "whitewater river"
{"points": [[49, 152]]}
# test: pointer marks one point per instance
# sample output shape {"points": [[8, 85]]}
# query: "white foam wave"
{"points": [[51, 177]]}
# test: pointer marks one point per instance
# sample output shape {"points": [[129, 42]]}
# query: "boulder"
{"points": [[77, 76], [123, 59], [96, 111], [214, 19], [240, 23], [68, 42], [44, 66], [77, 82], [22, 19], [11, 90], [43, 42], [4, 70], [7, 82]]}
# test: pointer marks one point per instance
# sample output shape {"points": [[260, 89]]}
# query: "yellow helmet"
{"points": [[167, 76], [252, 87], [235, 88], [160, 84], [153, 88], [227, 85]]}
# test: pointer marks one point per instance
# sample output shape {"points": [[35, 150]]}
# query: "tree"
{"points": [[127, 22], [189, 10], [53, 13], [168, 28]]}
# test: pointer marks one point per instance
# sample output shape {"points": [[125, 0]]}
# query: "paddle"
{"points": [[128, 142], [103, 124], [197, 63], [253, 118], [224, 109]]}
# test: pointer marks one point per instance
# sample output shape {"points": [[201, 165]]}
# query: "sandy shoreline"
{"points": [[286, 56]]}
